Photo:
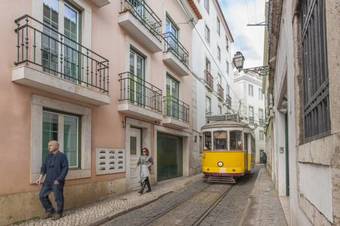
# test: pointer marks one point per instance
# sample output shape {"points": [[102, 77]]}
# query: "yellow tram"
{"points": [[229, 150]]}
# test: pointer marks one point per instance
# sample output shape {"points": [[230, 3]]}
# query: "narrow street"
{"points": [[198, 204]]}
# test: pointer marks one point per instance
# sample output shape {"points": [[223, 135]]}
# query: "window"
{"points": [[260, 94], [251, 114], [316, 116], [52, 12], [220, 109], [218, 53], [219, 78], [227, 92], [261, 115], [235, 140], [207, 105], [137, 69], [206, 5], [171, 29], [207, 140], [220, 140], [207, 34], [250, 90], [66, 130], [218, 26], [227, 67], [261, 135], [207, 65], [227, 43], [172, 95]]}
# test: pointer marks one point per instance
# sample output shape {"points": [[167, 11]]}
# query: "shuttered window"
{"points": [[315, 72]]}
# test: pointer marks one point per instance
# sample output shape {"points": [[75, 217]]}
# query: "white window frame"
{"points": [[38, 103], [251, 90], [207, 33]]}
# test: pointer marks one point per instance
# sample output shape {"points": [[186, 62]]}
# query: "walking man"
{"points": [[54, 169]]}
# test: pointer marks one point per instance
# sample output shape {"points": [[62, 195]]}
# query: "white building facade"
{"points": [[211, 59], [250, 105]]}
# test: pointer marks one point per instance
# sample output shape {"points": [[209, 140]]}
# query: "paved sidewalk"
{"points": [[264, 206], [95, 213]]}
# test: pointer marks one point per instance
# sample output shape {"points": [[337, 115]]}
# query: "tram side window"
{"points": [[207, 140], [220, 140], [246, 141], [235, 140]]}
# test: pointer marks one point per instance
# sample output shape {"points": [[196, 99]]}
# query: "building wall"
{"points": [[241, 84], [209, 50], [18, 195], [313, 168]]}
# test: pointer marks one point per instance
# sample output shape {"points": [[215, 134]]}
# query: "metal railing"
{"points": [[209, 80], [140, 92], [40, 44], [228, 101], [176, 109], [142, 12], [220, 91], [173, 45]]}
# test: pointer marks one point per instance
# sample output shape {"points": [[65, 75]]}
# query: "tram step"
{"points": [[224, 180]]}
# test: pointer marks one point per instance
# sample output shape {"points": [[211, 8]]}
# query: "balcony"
{"points": [[220, 92], [176, 113], [176, 56], [209, 80], [142, 23], [50, 61], [139, 98]]}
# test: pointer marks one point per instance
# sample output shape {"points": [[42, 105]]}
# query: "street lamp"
{"points": [[238, 61]]}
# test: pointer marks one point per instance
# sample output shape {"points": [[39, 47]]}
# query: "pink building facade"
{"points": [[104, 78]]}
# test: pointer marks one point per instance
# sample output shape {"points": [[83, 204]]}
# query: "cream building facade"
{"points": [[212, 43], [104, 78], [251, 108]]}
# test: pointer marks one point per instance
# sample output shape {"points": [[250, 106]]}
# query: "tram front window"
{"points": [[220, 140], [207, 140], [235, 140]]}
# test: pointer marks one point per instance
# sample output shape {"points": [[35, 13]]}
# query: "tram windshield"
{"points": [[220, 140], [207, 140], [235, 140]]}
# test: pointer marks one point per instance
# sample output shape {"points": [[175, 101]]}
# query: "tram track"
{"points": [[198, 204]]}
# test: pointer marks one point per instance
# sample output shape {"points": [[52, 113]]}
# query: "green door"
{"points": [[169, 156]]}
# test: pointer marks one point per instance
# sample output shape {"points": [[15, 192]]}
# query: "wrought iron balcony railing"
{"points": [[173, 45], [139, 92], [176, 109], [209, 80], [220, 91], [142, 12], [40, 44]]}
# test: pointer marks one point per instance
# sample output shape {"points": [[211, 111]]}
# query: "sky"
{"points": [[248, 40]]}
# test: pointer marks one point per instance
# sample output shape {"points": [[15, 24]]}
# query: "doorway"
{"points": [[135, 145]]}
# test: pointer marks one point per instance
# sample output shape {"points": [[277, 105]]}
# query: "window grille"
{"points": [[315, 73]]}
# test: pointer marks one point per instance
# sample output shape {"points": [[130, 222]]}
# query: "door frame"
{"points": [[146, 140]]}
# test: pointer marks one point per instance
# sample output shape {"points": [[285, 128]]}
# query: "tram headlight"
{"points": [[219, 163]]}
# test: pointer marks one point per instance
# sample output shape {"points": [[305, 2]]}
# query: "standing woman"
{"points": [[145, 162]]}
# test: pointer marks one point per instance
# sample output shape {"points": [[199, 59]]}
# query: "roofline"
{"points": [[224, 20]]}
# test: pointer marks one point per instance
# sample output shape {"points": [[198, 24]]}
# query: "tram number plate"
{"points": [[223, 170]]}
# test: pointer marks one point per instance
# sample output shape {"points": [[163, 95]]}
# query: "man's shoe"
{"points": [[47, 215], [148, 191], [57, 216]]}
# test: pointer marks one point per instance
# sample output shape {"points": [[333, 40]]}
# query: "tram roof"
{"points": [[225, 124]]}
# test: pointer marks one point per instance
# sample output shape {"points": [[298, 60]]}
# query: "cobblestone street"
{"points": [[185, 202]]}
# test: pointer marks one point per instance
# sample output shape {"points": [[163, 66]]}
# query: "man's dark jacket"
{"points": [[55, 167]]}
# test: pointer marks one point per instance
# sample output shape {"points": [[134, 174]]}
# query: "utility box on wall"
{"points": [[110, 161]]}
